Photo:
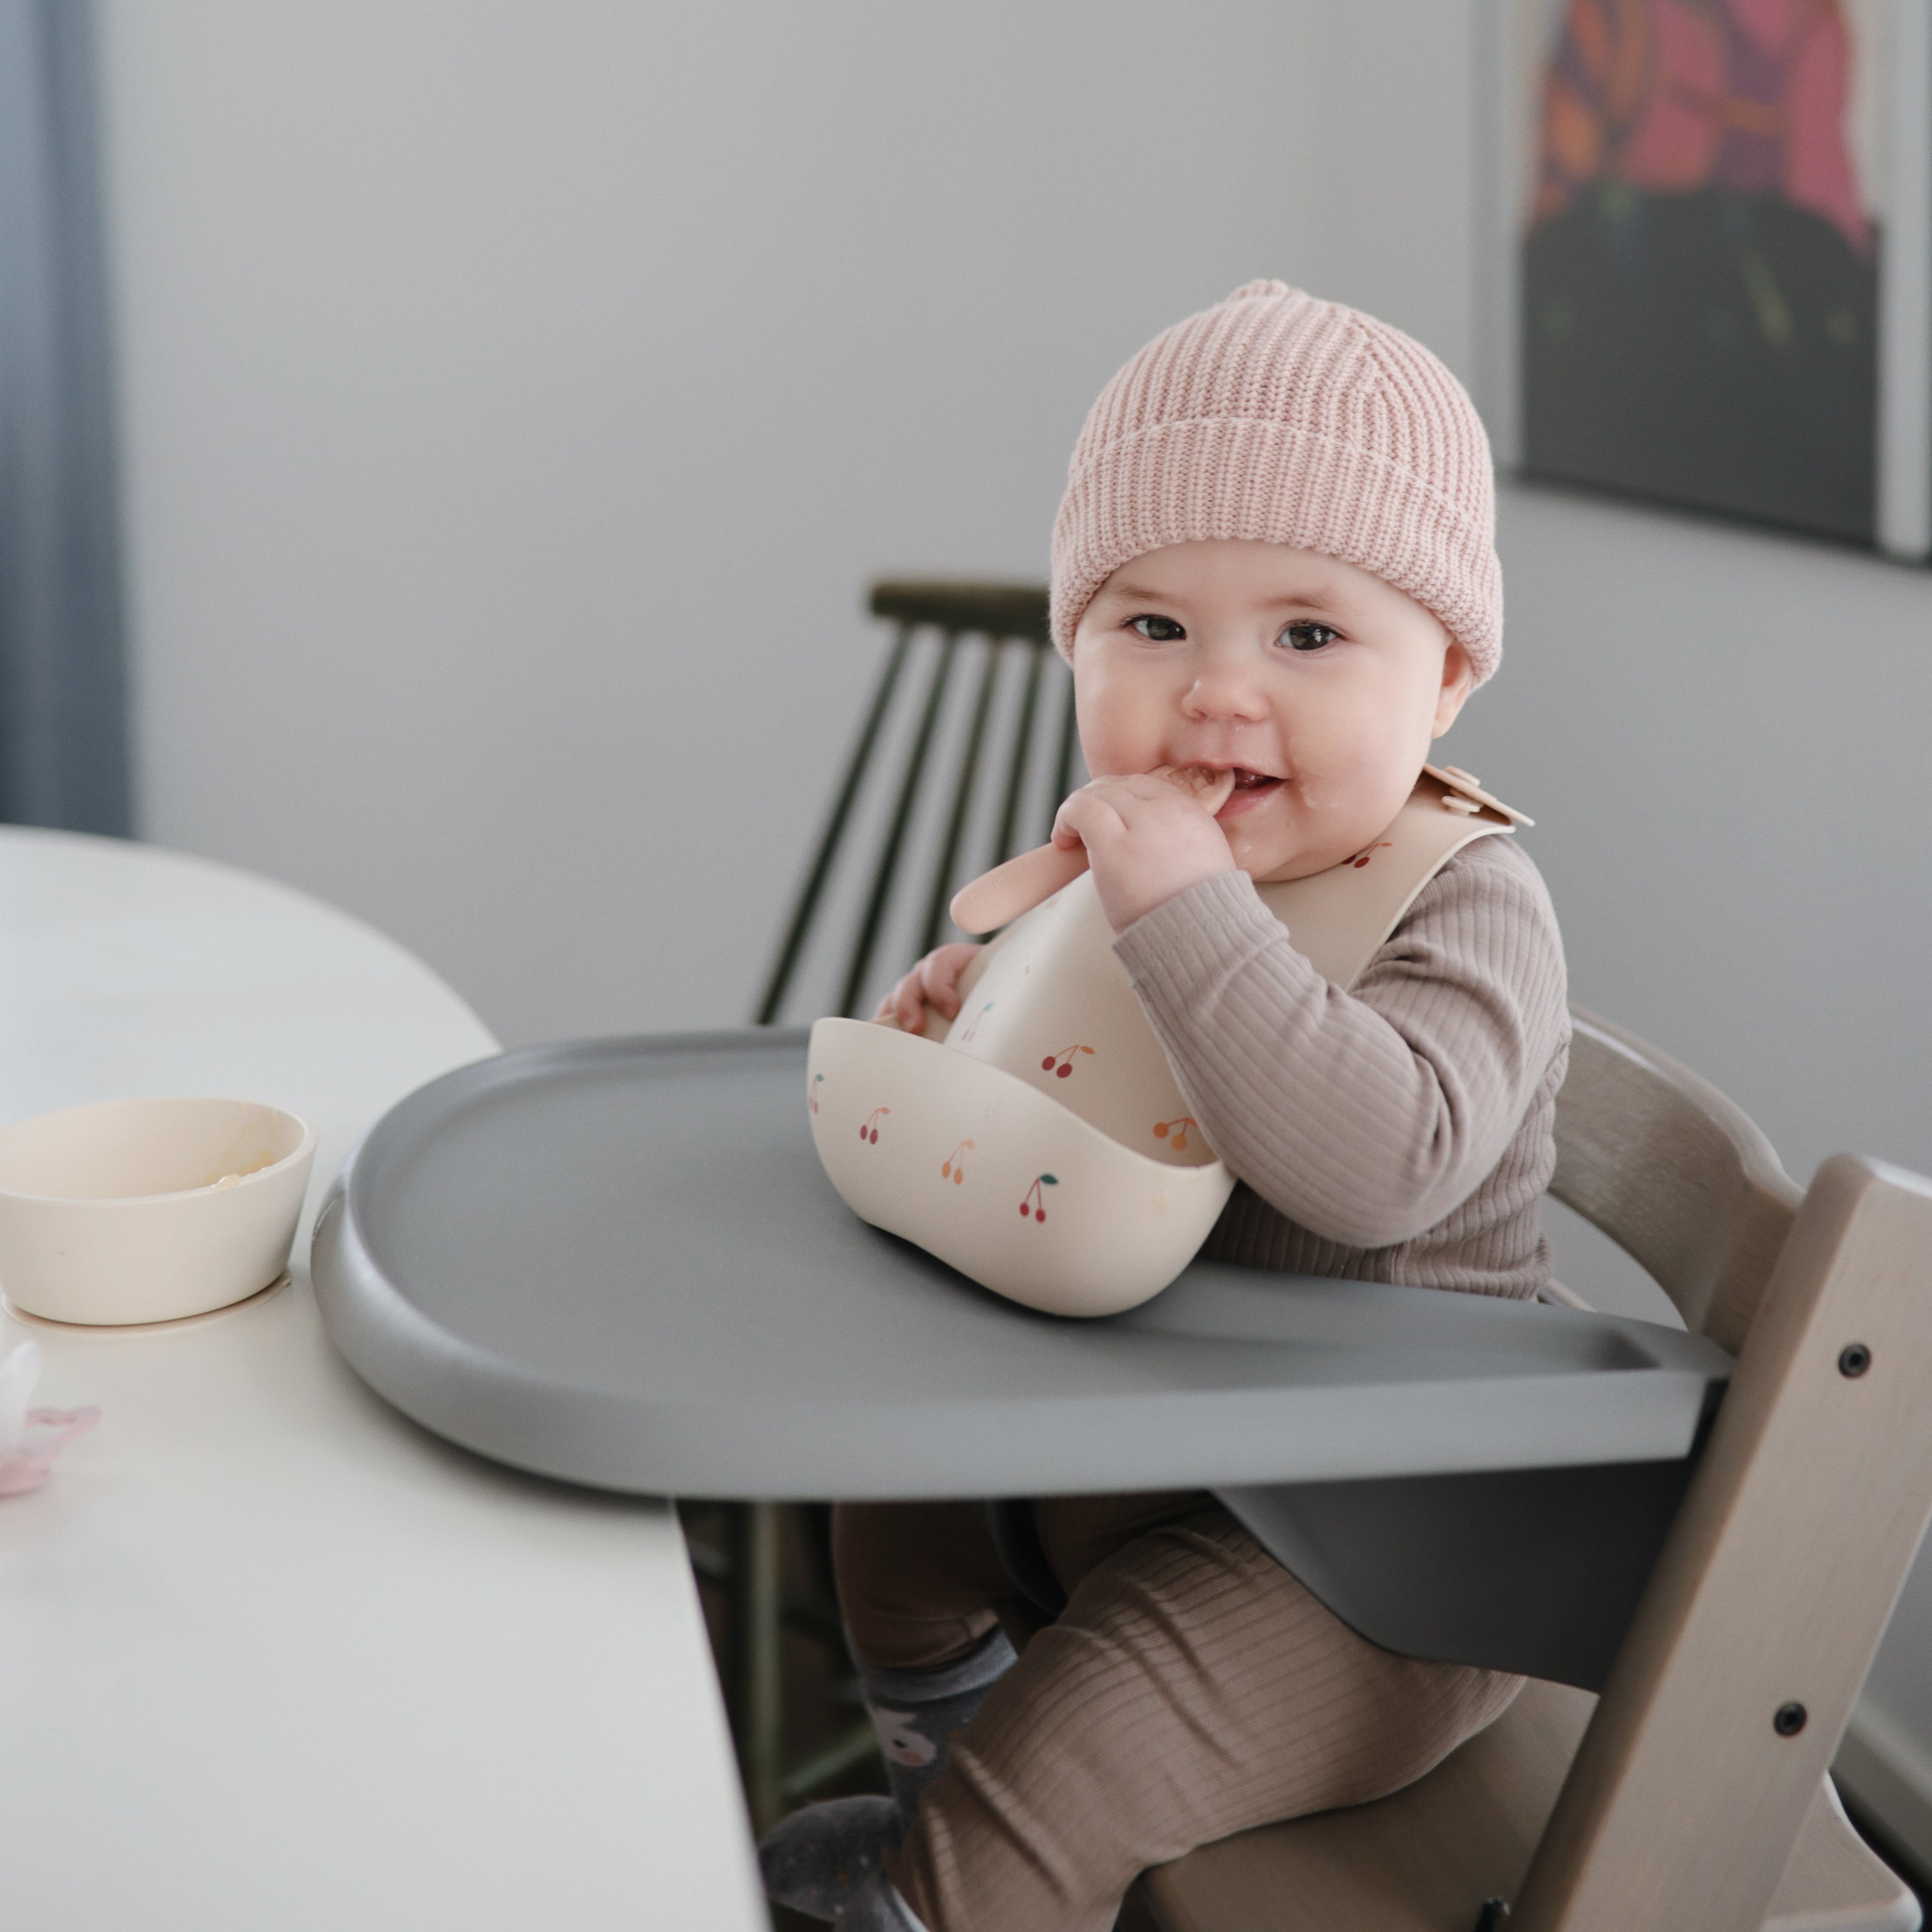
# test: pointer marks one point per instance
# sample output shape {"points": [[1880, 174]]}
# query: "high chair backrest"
{"points": [[1704, 1761], [1674, 1173], [1729, 1698]]}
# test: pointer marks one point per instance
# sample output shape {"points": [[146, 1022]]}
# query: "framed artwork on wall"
{"points": [[1709, 239]]}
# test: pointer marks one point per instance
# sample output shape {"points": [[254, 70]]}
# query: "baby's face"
{"points": [[1320, 685]]}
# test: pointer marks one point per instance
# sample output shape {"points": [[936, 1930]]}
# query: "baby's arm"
{"points": [[1366, 1116]]}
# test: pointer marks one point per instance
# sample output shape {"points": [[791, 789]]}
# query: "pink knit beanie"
{"points": [[1280, 417]]}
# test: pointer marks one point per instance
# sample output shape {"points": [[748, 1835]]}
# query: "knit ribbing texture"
{"points": [[1191, 1689], [1402, 1132], [1278, 417]]}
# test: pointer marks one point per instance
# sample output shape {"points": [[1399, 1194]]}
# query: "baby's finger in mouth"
{"points": [[1210, 788]]}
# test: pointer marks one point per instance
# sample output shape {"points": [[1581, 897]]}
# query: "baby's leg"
{"points": [[920, 1584], [923, 1591], [1191, 1689]]}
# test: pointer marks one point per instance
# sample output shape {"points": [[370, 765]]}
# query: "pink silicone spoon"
{"points": [[995, 898]]}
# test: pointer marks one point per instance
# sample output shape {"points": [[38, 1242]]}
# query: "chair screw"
{"points": [[1790, 1719], [1853, 1360]]}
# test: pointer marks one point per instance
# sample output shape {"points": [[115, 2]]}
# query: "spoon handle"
{"points": [[997, 897]]}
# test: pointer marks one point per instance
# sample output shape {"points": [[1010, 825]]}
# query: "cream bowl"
{"points": [[147, 1210]]}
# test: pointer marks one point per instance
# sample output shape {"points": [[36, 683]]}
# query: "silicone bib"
{"points": [[1044, 1147]]}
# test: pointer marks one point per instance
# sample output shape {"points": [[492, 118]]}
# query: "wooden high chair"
{"points": [[1692, 1796]]}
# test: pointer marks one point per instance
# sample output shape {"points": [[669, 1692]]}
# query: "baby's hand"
{"points": [[934, 981], [1148, 838]]}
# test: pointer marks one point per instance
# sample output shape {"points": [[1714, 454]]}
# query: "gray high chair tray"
{"points": [[618, 1262]]}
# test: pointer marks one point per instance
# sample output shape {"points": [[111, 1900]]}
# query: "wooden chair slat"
{"points": [[964, 605], [964, 792], [1675, 1173], [885, 874]]}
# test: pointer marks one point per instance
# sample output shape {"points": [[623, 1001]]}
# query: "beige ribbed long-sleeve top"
{"points": [[1401, 1131]]}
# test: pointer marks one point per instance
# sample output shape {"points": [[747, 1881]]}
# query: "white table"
{"points": [[271, 1656]]}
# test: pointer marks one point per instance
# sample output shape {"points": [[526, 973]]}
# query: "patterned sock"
{"points": [[915, 1712], [823, 1855]]}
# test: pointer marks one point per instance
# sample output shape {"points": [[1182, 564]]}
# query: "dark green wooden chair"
{"points": [[965, 750]]}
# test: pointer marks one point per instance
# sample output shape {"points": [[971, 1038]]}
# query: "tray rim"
{"points": [[551, 1426]]}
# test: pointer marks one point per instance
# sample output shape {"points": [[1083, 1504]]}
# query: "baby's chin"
{"points": [[1288, 838], [1303, 865], [1275, 860]]}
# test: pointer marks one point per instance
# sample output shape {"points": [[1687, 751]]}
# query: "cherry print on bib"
{"points": [[1034, 1205], [1060, 1064]]}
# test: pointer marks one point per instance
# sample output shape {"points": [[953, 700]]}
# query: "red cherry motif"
{"points": [[1060, 1064], [1028, 1206], [868, 1128]]}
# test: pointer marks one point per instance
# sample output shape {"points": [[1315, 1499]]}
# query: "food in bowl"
{"points": [[148, 1210]]}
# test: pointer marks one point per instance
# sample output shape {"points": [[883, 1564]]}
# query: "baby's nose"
{"points": [[1225, 687]]}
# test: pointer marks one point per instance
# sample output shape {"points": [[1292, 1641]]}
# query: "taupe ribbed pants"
{"points": [[1191, 1689]]}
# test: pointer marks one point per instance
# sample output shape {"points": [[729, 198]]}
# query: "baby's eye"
{"points": [[1305, 634], [1157, 630]]}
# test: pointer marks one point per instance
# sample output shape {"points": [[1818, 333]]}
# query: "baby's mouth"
{"points": [[1250, 787], [1220, 789]]}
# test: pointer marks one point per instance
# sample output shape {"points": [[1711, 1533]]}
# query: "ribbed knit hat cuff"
{"points": [[1224, 477]]}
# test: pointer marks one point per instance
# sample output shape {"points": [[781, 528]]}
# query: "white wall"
{"points": [[517, 397], [1723, 735], [517, 393]]}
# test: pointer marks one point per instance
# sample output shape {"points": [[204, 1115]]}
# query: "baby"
{"points": [[1274, 558]]}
